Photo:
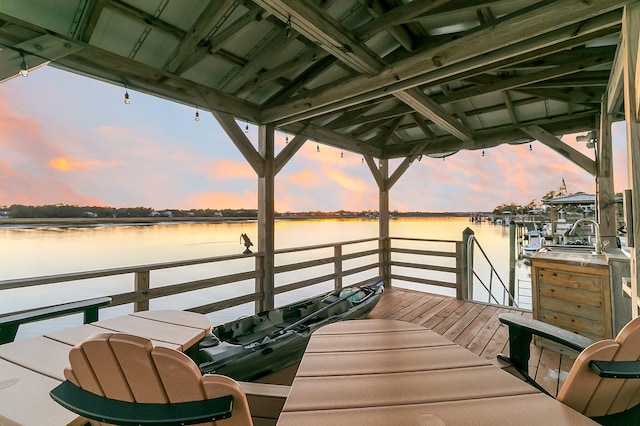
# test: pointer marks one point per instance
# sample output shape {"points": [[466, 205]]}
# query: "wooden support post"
{"points": [[337, 267], [142, 283], [553, 219], [383, 225], [630, 35], [606, 207], [467, 261], [266, 213], [512, 261]]}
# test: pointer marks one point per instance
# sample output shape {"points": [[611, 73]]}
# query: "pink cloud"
{"points": [[63, 164], [223, 200], [227, 169], [304, 179]]}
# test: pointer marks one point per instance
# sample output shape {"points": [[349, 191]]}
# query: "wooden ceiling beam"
{"points": [[510, 108], [457, 108], [338, 140], [377, 10], [525, 80], [492, 137], [209, 18], [274, 42], [433, 111], [302, 79], [582, 79], [149, 80], [89, 20], [385, 132], [550, 25], [359, 118], [400, 15], [615, 84], [362, 60], [306, 59], [145, 18], [214, 44], [482, 65], [328, 33]]}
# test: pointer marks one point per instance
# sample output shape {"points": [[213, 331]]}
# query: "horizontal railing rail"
{"points": [[418, 261], [432, 253]]}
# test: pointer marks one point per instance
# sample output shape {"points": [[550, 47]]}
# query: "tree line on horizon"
{"points": [[64, 211], [72, 211]]}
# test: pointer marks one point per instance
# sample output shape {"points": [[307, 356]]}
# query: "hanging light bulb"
{"points": [[341, 154], [530, 148], [288, 27], [317, 147], [246, 129], [126, 96], [197, 115], [286, 139], [483, 152], [363, 159], [24, 69]]}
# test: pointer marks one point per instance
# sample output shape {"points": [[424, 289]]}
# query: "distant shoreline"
{"points": [[204, 219]]}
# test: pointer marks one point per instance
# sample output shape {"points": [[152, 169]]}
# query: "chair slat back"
{"points": [[128, 368], [594, 396]]}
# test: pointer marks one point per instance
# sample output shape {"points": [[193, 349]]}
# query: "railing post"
{"points": [[259, 303], [459, 270], [142, 285], [385, 260], [466, 265], [337, 268], [512, 262]]}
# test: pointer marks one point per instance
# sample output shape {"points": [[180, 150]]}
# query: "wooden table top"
{"points": [[30, 368], [385, 372]]}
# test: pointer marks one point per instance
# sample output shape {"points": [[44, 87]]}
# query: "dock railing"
{"points": [[489, 279], [235, 281]]}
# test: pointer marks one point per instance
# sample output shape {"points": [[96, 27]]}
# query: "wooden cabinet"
{"points": [[572, 291]]}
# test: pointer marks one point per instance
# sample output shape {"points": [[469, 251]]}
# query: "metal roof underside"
{"points": [[386, 78]]}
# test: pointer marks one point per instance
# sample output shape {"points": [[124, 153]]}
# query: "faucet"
{"points": [[596, 226]]}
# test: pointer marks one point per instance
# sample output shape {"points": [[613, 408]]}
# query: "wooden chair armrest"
{"points": [[616, 369], [9, 323], [117, 412], [522, 329]]}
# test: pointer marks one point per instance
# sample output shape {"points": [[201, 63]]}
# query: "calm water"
{"points": [[36, 251]]}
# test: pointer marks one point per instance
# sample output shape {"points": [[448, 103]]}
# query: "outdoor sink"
{"points": [[575, 249]]}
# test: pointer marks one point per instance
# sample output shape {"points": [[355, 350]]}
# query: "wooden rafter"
{"points": [[460, 55]]}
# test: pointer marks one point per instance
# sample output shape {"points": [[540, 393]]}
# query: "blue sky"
{"points": [[68, 139]]}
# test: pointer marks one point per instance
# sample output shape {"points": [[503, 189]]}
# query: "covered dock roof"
{"points": [[385, 78]]}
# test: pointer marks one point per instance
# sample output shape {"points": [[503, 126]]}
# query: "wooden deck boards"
{"points": [[474, 326]]}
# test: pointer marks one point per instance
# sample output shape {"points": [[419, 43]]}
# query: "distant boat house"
{"points": [[586, 202]]}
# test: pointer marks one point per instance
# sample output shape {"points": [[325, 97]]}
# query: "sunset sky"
{"points": [[69, 139]]}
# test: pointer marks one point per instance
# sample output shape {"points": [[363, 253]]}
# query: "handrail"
{"points": [[472, 272], [412, 260]]}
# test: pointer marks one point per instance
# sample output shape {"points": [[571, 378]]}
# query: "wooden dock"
{"points": [[474, 326]]}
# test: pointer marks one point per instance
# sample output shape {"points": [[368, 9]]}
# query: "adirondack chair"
{"points": [[604, 381], [121, 379]]}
